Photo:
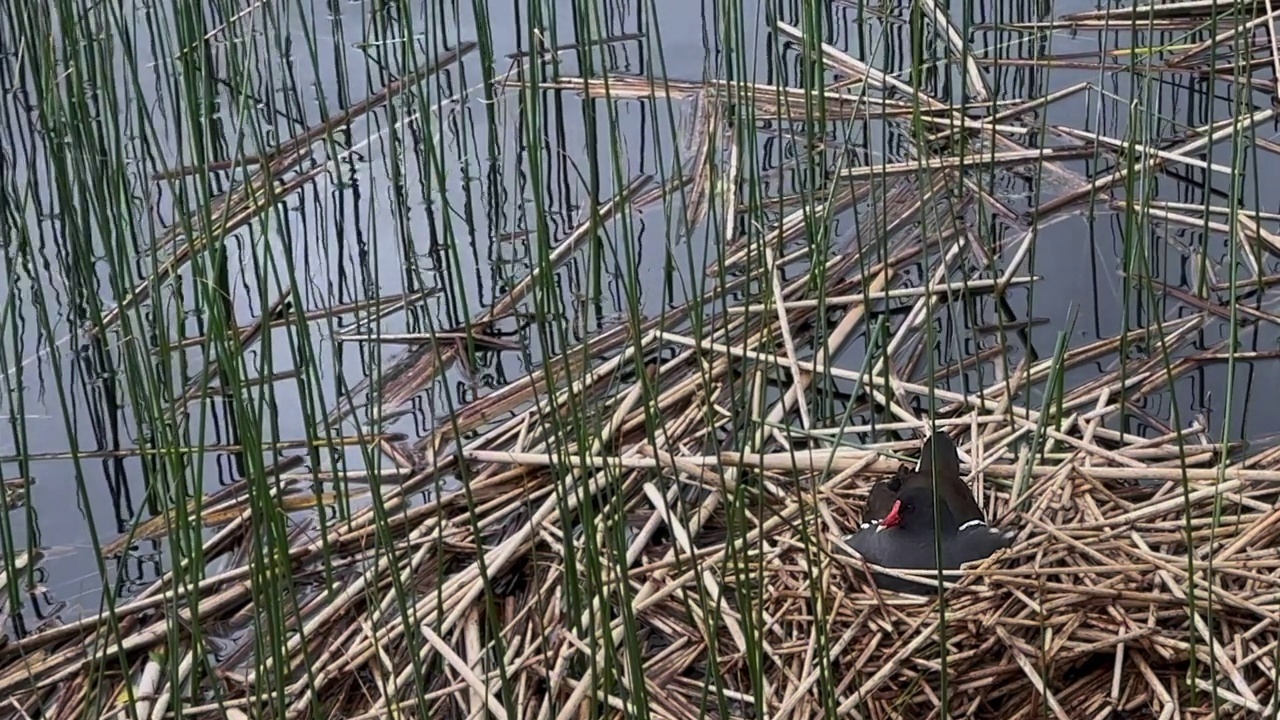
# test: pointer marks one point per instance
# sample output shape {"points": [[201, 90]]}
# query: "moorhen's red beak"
{"points": [[893, 518]]}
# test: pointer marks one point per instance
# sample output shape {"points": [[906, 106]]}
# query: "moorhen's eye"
{"points": [[911, 506]]}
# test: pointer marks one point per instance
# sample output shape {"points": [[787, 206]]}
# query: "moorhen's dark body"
{"points": [[898, 527]]}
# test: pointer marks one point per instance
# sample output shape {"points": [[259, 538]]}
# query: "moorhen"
{"points": [[904, 538], [937, 454]]}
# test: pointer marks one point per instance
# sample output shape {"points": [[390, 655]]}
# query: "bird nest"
{"points": [[1121, 595]]}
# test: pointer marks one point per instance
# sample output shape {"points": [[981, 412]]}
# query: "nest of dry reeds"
{"points": [[1119, 594]]}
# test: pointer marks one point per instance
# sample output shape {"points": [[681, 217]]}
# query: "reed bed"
{"points": [[652, 522]]}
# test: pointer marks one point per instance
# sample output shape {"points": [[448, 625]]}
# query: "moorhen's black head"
{"points": [[912, 513], [885, 492]]}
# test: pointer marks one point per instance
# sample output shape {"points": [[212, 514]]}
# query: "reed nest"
{"points": [[684, 481]]}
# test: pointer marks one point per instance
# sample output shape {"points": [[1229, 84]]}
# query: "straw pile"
{"points": [[681, 487]]}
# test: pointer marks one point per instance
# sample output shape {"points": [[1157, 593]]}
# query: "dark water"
{"points": [[364, 231]]}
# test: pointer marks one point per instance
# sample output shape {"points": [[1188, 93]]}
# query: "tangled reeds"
{"points": [[651, 523]]}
